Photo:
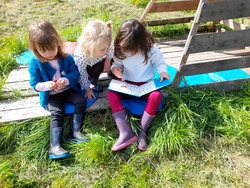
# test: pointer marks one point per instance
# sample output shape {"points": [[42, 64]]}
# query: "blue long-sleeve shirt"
{"points": [[43, 72]]}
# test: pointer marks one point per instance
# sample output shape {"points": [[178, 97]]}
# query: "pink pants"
{"points": [[154, 99]]}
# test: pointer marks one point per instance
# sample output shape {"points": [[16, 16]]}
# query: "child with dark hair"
{"points": [[135, 59]]}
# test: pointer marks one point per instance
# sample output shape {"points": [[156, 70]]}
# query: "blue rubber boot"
{"points": [[56, 151], [145, 123], [76, 125], [127, 136]]}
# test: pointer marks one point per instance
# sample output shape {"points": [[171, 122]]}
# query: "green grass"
{"points": [[11, 47], [199, 139]]}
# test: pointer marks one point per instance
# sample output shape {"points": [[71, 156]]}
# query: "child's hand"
{"points": [[51, 85], [164, 75], [61, 83], [89, 93], [117, 72]]}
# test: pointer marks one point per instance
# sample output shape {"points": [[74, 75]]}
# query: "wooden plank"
{"points": [[234, 25], [219, 41], [22, 114], [18, 94], [29, 93], [12, 92], [174, 6], [200, 68], [172, 50], [184, 57], [23, 85], [169, 21], [147, 10], [28, 108], [19, 81], [169, 42], [18, 75], [25, 103], [33, 101], [37, 112], [212, 56], [103, 94], [100, 104], [223, 10]]}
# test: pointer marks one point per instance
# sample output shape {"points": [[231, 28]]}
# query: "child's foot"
{"points": [[123, 142], [57, 152], [78, 137], [142, 145]]}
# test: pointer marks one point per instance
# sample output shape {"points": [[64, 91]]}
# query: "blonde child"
{"points": [[55, 76], [135, 58], [93, 54]]}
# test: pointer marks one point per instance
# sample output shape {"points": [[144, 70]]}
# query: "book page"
{"points": [[142, 89], [120, 86], [132, 89]]}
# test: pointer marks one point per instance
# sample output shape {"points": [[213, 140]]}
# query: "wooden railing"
{"points": [[171, 6], [209, 11]]}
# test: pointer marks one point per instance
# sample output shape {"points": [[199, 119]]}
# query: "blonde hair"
{"points": [[93, 34], [43, 35]]}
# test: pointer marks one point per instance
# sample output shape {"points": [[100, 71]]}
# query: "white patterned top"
{"points": [[82, 62]]}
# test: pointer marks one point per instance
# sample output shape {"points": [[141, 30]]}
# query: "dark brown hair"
{"points": [[43, 35], [132, 37]]}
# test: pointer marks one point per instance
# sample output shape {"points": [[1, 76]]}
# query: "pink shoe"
{"points": [[141, 148], [125, 144], [142, 144]]}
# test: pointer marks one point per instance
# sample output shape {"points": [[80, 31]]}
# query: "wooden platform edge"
{"points": [[29, 108]]}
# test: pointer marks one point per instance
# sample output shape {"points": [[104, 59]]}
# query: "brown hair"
{"points": [[43, 35], [132, 37], [93, 34]]}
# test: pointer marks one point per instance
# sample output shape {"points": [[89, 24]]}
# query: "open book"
{"points": [[138, 91]]}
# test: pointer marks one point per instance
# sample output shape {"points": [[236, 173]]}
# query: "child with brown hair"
{"points": [[55, 76]]}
